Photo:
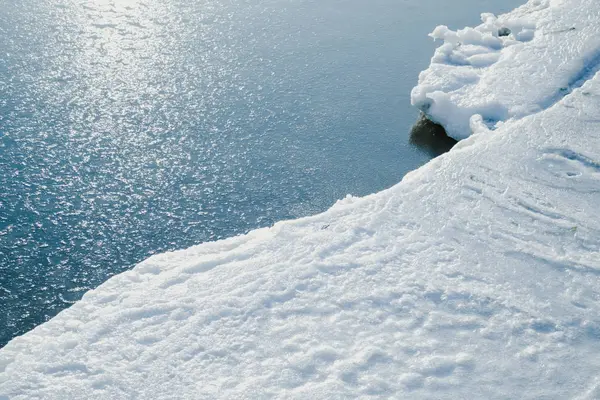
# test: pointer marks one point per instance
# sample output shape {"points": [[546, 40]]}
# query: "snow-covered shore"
{"points": [[477, 276], [510, 66]]}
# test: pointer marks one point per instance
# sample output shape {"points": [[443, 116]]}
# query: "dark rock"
{"points": [[504, 31], [430, 137]]}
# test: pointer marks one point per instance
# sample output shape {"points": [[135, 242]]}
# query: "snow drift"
{"points": [[477, 276], [510, 66]]}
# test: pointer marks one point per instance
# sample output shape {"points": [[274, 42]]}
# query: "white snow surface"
{"points": [[477, 276], [479, 78]]}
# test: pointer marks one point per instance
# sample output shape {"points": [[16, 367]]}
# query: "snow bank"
{"points": [[478, 276], [510, 66]]}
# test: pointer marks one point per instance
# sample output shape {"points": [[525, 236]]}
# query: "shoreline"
{"points": [[475, 276]]}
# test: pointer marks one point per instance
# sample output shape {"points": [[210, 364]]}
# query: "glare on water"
{"points": [[131, 127]]}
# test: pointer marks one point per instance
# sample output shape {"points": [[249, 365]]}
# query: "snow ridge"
{"points": [[510, 66]]}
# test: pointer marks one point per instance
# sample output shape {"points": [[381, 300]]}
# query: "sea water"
{"points": [[132, 127]]}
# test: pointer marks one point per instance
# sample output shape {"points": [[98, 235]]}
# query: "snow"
{"points": [[553, 47], [477, 276]]}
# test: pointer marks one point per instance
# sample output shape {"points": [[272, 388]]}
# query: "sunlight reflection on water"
{"points": [[133, 127]]}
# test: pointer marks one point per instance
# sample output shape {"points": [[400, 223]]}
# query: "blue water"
{"points": [[133, 127]]}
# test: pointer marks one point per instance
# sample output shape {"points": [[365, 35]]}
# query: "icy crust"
{"points": [[510, 66], [478, 276]]}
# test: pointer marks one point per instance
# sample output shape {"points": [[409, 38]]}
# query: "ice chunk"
{"points": [[525, 61]]}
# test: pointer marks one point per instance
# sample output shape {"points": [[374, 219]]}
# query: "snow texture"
{"points": [[477, 276], [510, 66]]}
